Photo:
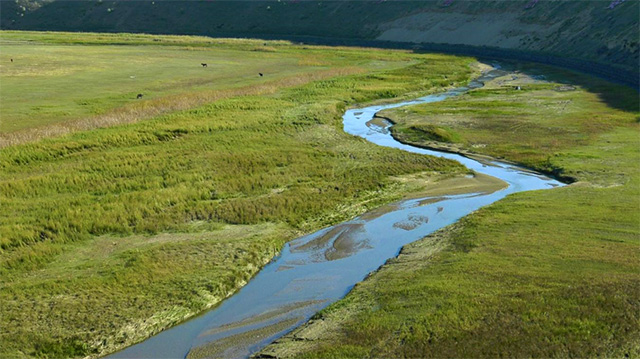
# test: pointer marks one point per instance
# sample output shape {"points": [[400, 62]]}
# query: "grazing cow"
{"points": [[203, 64], [139, 96], [260, 73], [11, 60]]}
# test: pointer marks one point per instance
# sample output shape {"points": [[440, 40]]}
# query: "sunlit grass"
{"points": [[49, 82], [531, 126], [551, 273], [110, 235]]}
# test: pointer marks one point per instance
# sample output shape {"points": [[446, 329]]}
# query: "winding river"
{"points": [[318, 269]]}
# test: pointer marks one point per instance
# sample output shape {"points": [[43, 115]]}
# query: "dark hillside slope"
{"points": [[596, 31]]}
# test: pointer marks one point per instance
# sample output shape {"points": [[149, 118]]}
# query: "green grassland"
{"points": [[551, 273], [51, 81], [530, 126], [110, 235]]}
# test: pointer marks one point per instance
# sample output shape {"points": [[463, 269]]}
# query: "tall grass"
{"points": [[218, 162], [110, 235], [551, 273]]}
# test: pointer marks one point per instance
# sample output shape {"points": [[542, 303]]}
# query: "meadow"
{"points": [[550, 273], [54, 83], [122, 226]]}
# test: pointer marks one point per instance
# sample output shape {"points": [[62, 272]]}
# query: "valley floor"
{"points": [[120, 217], [549, 273]]}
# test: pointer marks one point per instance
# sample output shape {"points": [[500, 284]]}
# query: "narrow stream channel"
{"points": [[318, 269]]}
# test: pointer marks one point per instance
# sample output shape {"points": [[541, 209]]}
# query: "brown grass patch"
{"points": [[152, 108]]}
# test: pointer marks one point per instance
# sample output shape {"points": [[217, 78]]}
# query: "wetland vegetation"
{"points": [[549, 273], [121, 216], [118, 229]]}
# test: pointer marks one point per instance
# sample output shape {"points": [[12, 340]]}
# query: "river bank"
{"points": [[459, 149], [544, 273], [318, 269], [111, 234]]}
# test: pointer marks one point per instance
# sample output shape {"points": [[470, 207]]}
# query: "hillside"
{"points": [[605, 32]]}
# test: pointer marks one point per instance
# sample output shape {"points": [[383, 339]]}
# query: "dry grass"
{"points": [[156, 107]]}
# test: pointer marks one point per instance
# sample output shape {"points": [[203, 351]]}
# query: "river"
{"points": [[318, 269]]}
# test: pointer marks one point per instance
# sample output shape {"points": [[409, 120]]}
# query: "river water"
{"points": [[318, 269]]}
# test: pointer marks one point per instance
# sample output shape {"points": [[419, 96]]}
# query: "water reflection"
{"points": [[318, 269]]}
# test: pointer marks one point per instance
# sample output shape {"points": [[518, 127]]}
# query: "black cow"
{"points": [[260, 73], [203, 64], [139, 96]]}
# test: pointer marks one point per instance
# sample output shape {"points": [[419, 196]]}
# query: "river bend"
{"points": [[318, 269]]}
